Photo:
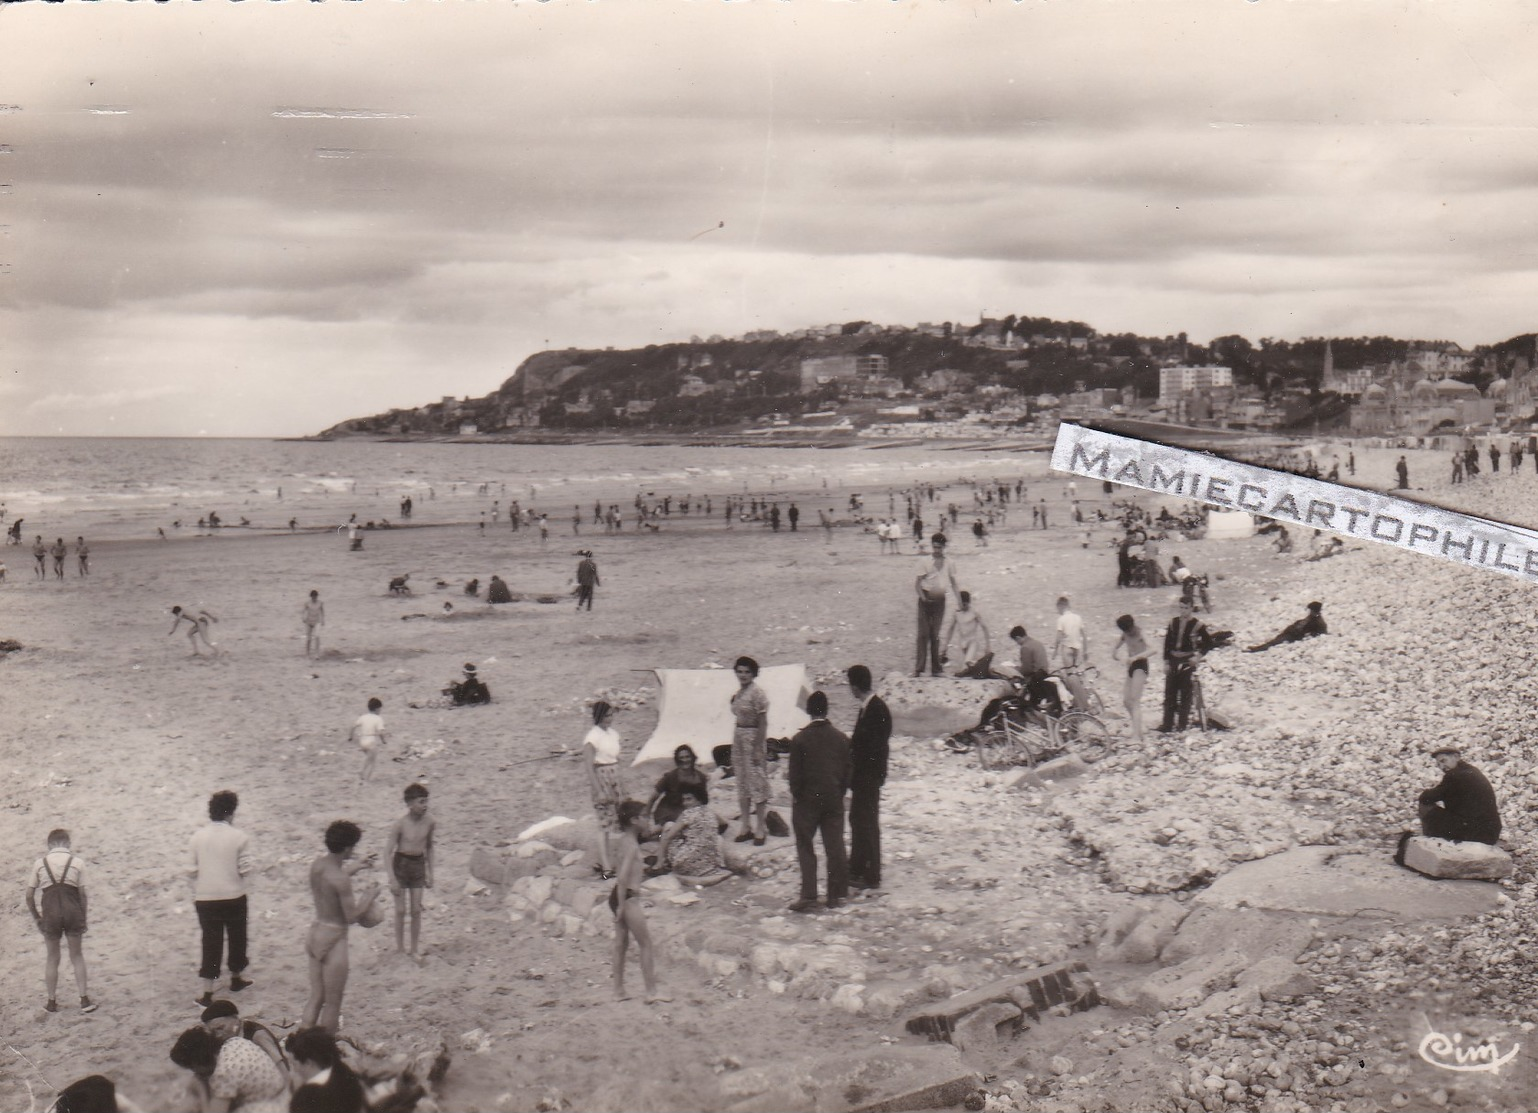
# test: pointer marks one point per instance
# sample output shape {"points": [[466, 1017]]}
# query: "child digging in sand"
{"points": [[625, 903], [369, 733], [410, 855]]}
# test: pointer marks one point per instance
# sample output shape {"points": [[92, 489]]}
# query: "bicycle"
{"points": [[1198, 701], [1196, 710], [1023, 734], [1086, 675]]}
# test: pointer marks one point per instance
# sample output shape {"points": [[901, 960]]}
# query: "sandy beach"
{"points": [[119, 734]]}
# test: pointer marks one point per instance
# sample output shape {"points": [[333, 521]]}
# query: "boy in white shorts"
{"points": [[369, 733]]}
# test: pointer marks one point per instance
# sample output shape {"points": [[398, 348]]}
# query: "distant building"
{"points": [[825, 369], [1175, 382], [1427, 405]]}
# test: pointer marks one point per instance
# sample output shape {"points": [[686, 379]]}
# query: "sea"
{"points": [[130, 488]]}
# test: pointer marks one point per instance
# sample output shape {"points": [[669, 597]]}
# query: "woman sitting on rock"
{"points": [[667, 802], [691, 845]]}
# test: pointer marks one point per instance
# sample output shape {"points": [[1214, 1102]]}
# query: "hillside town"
{"points": [[1008, 376]]}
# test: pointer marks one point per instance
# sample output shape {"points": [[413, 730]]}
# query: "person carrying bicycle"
{"points": [[1072, 646]]}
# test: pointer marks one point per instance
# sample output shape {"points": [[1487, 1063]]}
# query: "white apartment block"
{"points": [[1176, 381]]}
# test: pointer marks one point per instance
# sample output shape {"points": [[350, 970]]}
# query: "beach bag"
{"points": [[775, 823]]}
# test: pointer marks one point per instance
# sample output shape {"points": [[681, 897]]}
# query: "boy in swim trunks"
{"points": [[409, 853], [336, 906], [63, 914], [369, 733]]}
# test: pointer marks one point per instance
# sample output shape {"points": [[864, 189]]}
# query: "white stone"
{"points": [[850, 998], [1469, 860], [539, 889]]}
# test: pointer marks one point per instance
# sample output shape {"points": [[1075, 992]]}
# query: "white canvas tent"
{"points": [[695, 708], [1226, 525]]}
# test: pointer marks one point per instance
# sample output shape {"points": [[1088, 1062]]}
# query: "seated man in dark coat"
{"points": [[498, 592], [469, 690], [1311, 625], [329, 1085], [1461, 807]]}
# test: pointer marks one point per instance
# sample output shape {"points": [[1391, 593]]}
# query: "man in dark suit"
{"points": [[819, 777], [868, 746], [1184, 643]]}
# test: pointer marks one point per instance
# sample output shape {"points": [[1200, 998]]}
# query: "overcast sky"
{"points": [[263, 218]]}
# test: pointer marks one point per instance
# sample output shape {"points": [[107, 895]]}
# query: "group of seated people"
{"points": [[1137, 560], [240, 1066], [688, 830], [496, 591]]}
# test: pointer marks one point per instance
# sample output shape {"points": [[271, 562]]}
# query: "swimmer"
{"points": [[336, 906]]}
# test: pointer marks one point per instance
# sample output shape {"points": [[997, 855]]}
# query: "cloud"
{"points": [[107, 400], [281, 229]]}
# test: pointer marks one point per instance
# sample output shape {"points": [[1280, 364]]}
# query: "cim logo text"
{"points": [[1450, 1054]]}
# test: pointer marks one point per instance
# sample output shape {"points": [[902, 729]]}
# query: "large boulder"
{"points": [[503, 865], [1186, 984], [1138, 934], [1440, 858]]}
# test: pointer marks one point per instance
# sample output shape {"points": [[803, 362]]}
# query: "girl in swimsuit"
{"points": [[1136, 645], [625, 903]]}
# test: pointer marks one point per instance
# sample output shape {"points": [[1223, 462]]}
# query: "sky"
{"points": [[260, 219]]}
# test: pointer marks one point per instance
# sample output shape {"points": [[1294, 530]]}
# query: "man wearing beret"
{"points": [[1460, 808]]}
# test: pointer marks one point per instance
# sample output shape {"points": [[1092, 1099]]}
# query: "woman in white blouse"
{"points": [[601, 748]]}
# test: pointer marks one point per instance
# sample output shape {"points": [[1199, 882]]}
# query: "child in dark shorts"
{"points": [[62, 915], [410, 855]]}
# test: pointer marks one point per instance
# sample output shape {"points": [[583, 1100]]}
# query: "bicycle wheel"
{"points": [[994, 750], [1032, 742], [1085, 735]]}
